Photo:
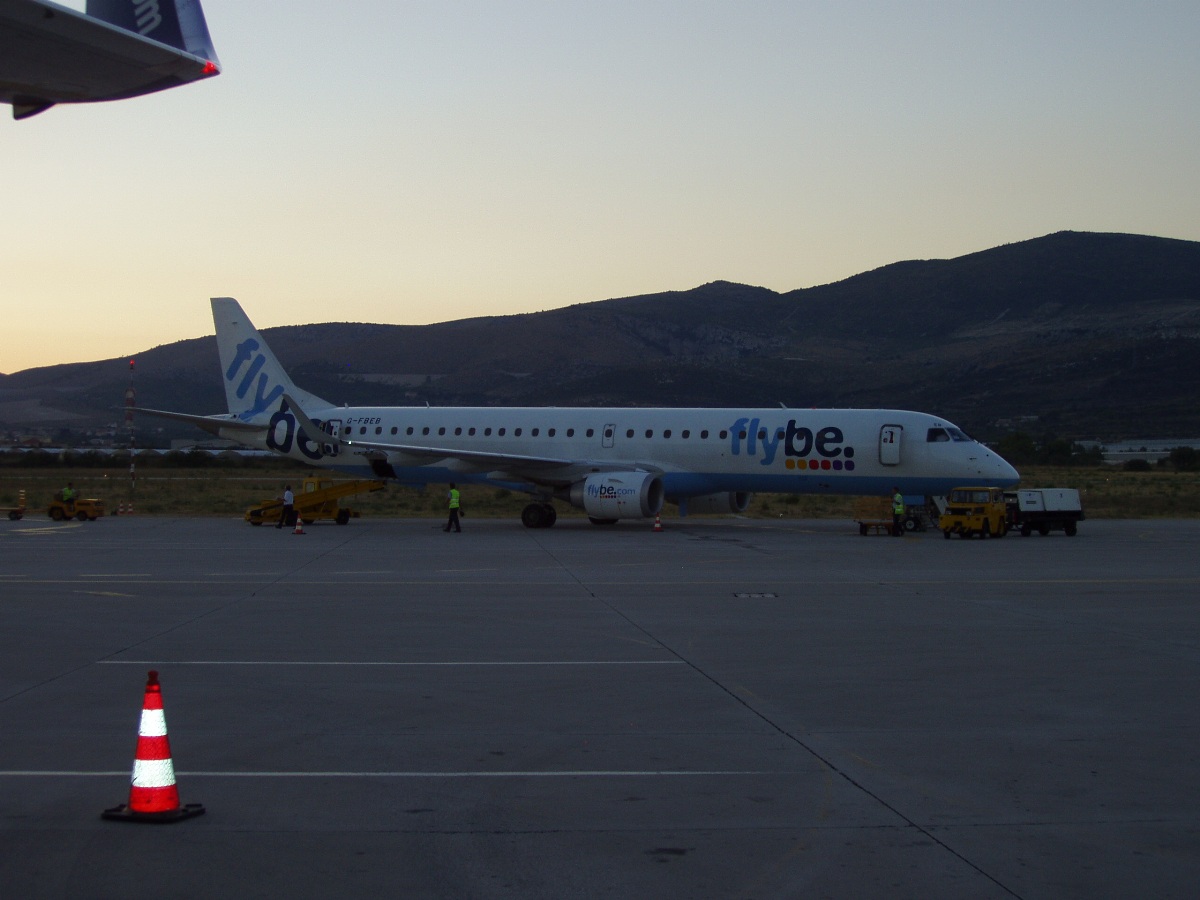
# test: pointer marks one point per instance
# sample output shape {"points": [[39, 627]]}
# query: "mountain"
{"points": [[1083, 335]]}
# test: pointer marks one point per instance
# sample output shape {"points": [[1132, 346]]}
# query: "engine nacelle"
{"points": [[724, 502], [619, 495]]}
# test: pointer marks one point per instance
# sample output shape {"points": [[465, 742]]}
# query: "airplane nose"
{"points": [[1006, 475]]}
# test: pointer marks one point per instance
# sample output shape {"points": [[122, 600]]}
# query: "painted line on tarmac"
{"points": [[268, 662], [569, 773]]}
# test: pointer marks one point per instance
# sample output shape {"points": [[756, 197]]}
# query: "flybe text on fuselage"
{"points": [[798, 442]]}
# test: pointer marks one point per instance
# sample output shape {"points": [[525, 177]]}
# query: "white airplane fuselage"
{"points": [[696, 451]]}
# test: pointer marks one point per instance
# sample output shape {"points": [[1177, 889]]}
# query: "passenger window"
{"points": [[379, 429], [425, 430], [629, 433], [725, 434], [704, 435], [457, 431], [667, 434], [570, 432], [516, 432], [649, 432], [441, 431], [500, 432], [685, 434], [394, 429], [550, 433], [591, 432], [409, 430], [487, 432], [471, 432], [533, 432], [362, 430], [762, 434]]}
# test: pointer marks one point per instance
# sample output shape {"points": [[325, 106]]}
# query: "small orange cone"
{"points": [[299, 529], [153, 796], [658, 523]]}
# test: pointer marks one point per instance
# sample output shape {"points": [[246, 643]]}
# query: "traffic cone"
{"points": [[153, 796], [658, 523], [299, 529]]}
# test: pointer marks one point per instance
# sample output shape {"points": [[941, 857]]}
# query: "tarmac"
{"points": [[730, 708]]}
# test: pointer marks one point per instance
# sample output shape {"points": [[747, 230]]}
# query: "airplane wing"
{"points": [[211, 424], [480, 460], [52, 54]]}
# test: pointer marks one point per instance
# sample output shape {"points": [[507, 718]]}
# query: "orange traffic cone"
{"points": [[153, 796], [658, 523], [299, 529]]}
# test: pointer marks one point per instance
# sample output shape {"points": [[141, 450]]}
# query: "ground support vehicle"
{"points": [[875, 514], [18, 511], [84, 510], [1044, 510], [974, 510], [317, 499]]}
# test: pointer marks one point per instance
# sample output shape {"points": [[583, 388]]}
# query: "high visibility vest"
{"points": [[898, 504], [454, 495]]}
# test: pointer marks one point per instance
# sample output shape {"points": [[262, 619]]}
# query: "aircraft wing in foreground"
{"points": [[613, 463], [119, 48]]}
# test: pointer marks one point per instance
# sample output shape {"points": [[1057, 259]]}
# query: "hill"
{"points": [[1084, 335]]}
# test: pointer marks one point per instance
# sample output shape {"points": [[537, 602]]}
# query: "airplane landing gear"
{"points": [[539, 515]]}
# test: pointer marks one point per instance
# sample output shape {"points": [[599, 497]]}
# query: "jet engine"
{"points": [[730, 502], [618, 495]]}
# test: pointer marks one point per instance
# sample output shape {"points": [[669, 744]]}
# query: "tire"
{"points": [[946, 534], [1043, 530], [986, 531], [343, 516], [911, 524], [549, 515], [862, 529], [1026, 530], [13, 515], [532, 515], [56, 513], [256, 522], [1070, 528]]}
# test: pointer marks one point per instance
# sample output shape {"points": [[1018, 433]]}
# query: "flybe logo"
{"points": [[803, 448], [609, 491], [247, 353]]}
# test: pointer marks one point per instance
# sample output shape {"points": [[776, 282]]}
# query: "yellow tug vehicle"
{"points": [[85, 510], [974, 510]]}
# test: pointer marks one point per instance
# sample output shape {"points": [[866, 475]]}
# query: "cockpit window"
{"points": [[936, 435], [958, 435]]}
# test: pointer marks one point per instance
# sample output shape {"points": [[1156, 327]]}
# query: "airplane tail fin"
{"points": [[254, 379], [177, 23]]}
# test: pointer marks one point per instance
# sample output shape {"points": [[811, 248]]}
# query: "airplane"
{"points": [[119, 48], [613, 463]]}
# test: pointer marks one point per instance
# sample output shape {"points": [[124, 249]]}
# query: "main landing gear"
{"points": [[539, 515]]}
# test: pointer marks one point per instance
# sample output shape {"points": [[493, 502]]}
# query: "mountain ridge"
{"points": [[1086, 334]]}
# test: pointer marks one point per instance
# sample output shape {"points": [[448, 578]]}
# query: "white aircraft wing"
{"points": [[52, 54]]}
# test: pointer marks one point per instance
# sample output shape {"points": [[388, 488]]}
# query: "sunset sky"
{"points": [[405, 162]]}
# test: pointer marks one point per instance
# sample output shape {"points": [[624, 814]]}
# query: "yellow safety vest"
{"points": [[898, 504], [454, 496]]}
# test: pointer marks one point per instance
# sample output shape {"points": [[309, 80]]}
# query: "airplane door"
{"points": [[610, 432], [331, 427], [889, 444]]}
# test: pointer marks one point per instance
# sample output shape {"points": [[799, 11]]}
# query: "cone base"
{"points": [[123, 813]]}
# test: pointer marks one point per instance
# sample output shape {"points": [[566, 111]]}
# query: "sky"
{"points": [[403, 162]]}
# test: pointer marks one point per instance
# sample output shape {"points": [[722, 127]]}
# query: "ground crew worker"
{"points": [[289, 500], [68, 495], [455, 501], [899, 508]]}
